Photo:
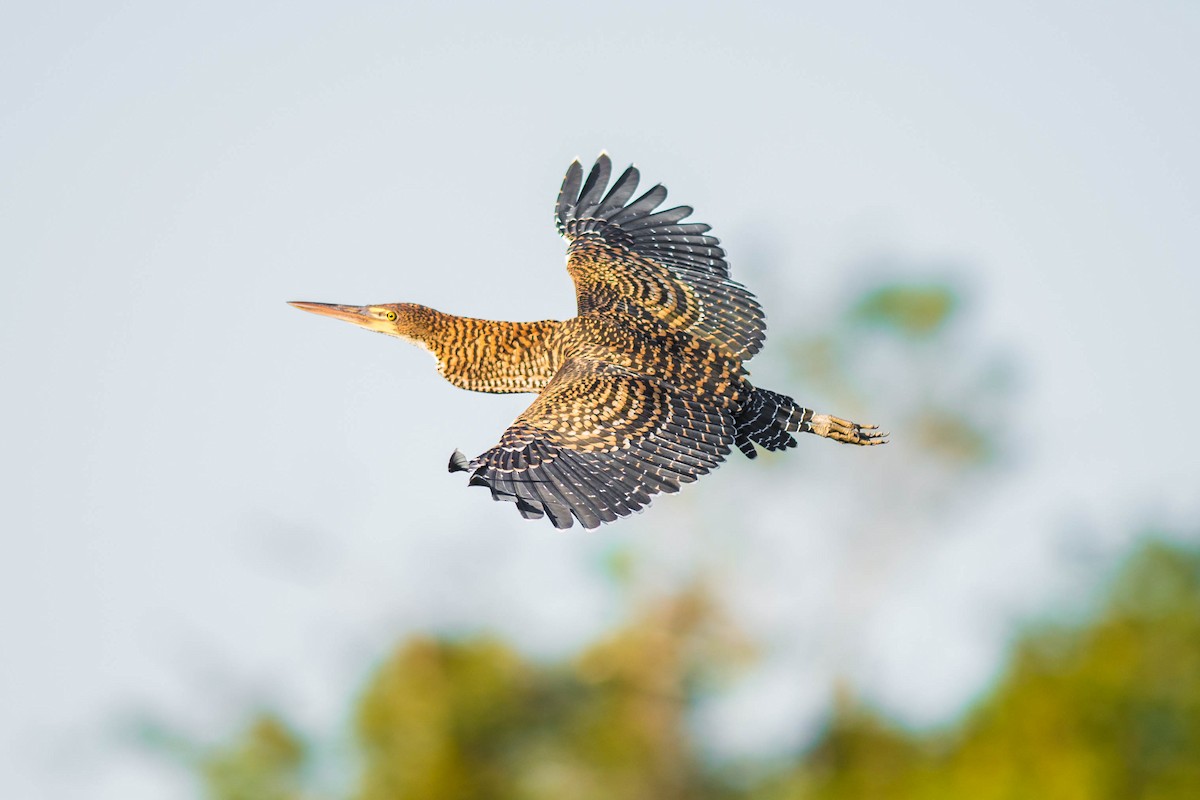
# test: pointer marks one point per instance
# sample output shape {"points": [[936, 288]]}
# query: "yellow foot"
{"points": [[842, 430]]}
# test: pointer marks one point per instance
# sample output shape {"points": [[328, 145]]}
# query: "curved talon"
{"points": [[876, 437], [864, 435]]}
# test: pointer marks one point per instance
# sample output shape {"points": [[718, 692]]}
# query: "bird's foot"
{"points": [[842, 430]]}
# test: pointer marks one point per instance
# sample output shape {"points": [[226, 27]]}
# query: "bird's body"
{"points": [[644, 390]]}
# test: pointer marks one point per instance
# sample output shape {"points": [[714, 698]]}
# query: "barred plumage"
{"points": [[643, 391]]}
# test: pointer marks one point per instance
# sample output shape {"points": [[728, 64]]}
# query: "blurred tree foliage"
{"points": [[471, 719], [1110, 709], [264, 764], [910, 309]]}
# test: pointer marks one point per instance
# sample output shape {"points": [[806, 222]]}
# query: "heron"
{"points": [[644, 390]]}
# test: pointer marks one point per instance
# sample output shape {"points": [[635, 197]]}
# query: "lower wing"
{"points": [[598, 443]]}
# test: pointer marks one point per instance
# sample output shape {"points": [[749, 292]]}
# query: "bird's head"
{"points": [[404, 320]]}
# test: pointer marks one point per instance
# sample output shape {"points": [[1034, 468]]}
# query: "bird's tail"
{"points": [[768, 419]]}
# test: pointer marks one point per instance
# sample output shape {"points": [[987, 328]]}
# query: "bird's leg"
{"points": [[805, 420], [842, 430]]}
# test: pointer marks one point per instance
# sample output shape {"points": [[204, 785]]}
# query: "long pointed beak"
{"points": [[359, 315]]}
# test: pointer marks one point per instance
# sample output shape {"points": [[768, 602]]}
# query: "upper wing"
{"points": [[628, 259], [598, 442]]}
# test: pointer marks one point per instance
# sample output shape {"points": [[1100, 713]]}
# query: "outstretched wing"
{"points": [[598, 442], [627, 258]]}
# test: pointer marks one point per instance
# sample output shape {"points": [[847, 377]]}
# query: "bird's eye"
{"points": [[391, 315]]}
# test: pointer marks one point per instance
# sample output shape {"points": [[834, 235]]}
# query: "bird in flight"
{"points": [[644, 390]]}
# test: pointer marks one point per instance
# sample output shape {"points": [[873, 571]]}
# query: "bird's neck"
{"points": [[482, 354]]}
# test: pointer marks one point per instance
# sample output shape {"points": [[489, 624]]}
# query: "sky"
{"points": [[215, 501]]}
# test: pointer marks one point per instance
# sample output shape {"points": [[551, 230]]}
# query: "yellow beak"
{"points": [[359, 315]]}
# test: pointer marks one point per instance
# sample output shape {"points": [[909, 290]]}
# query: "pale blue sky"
{"points": [[213, 499]]}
